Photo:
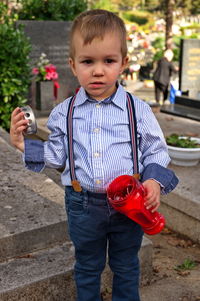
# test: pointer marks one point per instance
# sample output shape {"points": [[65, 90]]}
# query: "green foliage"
{"points": [[15, 70], [178, 141], [58, 10], [158, 55], [103, 4], [159, 43], [188, 264], [195, 7], [139, 17]]}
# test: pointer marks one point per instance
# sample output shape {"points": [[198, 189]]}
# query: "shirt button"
{"points": [[96, 130], [98, 182], [98, 106], [96, 155]]}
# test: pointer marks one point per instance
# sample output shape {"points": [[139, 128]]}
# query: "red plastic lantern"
{"points": [[126, 195]]}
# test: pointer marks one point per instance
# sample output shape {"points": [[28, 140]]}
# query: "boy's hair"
{"points": [[95, 24]]}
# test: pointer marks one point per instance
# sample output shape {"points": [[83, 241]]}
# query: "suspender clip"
{"points": [[76, 186], [136, 176]]}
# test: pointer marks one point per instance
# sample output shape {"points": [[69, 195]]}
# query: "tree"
{"points": [[195, 7], [170, 6]]}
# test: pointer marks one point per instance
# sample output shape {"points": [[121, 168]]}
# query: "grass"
{"points": [[187, 264]]}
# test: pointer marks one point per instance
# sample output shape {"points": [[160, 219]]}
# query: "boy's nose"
{"points": [[98, 70]]}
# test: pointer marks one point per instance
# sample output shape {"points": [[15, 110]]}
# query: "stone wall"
{"points": [[52, 38]]}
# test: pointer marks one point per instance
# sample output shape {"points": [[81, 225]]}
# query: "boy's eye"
{"points": [[87, 62], [109, 61]]}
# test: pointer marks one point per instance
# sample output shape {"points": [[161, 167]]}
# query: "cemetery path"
{"points": [[174, 277]]}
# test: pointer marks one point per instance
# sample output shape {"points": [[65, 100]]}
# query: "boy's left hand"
{"points": [[152, 197]]}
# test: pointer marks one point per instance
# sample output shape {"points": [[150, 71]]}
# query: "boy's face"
{"points": [[97, 65]]}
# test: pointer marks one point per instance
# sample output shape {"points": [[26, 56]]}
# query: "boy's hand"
{"points": [[17, 126], [152, 197]]}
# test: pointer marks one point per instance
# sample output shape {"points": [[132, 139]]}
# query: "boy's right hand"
{"points": [[17, 127]]}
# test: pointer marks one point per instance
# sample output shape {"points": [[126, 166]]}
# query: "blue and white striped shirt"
{"points": [[101, 137]]}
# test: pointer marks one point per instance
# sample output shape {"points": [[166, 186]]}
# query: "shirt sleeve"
{"points": [[33, 156], [55, 149], [52, 153], [152, 144], [154, 154], [164, 176]]}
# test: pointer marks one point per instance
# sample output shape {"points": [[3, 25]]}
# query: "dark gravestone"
{"points": [[188, 104], [52, 38], [189, 75]]}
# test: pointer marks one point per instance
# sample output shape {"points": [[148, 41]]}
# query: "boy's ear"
{"points": [[124, 63], [72, 65]]}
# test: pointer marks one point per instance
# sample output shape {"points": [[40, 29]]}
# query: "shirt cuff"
{"points": [[34, 155], [164, 176]]}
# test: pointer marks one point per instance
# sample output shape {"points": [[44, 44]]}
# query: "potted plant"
{"points": [[183, 150]]}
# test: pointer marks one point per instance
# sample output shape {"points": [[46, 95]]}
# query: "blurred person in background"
{"points": [[162, 75]]}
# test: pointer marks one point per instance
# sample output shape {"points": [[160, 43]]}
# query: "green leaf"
{"points": [[188, 264], [179, 141]]}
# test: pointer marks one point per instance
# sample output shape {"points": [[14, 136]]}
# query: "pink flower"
{"points": [[54, 75], [35, 71], [45, 70], [48, 76], [50, 68]]}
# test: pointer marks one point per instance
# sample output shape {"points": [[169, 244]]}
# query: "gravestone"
{"points": [[52, 38], [189, 74], [187, 105]]}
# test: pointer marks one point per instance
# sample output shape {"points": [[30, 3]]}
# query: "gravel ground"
{"points": [[176, 270]]}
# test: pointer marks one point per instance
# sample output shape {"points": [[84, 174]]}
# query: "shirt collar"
{"points": [[118, 98]]}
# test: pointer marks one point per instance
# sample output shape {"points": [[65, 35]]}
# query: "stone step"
{"points": [[32, 208], [47, 275], [182, 206], [44, 275]]}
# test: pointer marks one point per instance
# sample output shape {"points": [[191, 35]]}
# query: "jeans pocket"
{"points": [[75, 204]]}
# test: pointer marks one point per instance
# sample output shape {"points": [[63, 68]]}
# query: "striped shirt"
{"points": [[101, 138]]}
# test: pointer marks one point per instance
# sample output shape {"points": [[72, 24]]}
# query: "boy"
{"points": [[99, 151]]}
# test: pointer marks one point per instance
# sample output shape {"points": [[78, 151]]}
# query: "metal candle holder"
{"points": [[29, 115]]}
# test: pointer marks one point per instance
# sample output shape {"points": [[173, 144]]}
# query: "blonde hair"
{"points": [[95, 24], [168, 54]]}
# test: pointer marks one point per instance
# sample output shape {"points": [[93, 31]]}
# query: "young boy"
{"points": [[95, 147]]}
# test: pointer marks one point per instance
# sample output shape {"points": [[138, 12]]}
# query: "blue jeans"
{"points": [[93, 226]]}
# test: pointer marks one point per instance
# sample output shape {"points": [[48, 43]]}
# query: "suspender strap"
{"points": [[76, 185], [133, 134]]}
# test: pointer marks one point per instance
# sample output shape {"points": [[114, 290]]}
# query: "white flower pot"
{"points": [[184, 156]]}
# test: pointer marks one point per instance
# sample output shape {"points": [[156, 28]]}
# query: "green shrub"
{"points": [[15, 72], [138, 17], [57, 10]]}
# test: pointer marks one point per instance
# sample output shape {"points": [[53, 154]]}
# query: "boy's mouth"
{"points": [[96, 84]]}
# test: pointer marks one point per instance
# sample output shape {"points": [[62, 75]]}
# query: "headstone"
{"points": [[52, 38], [189, 75]]}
